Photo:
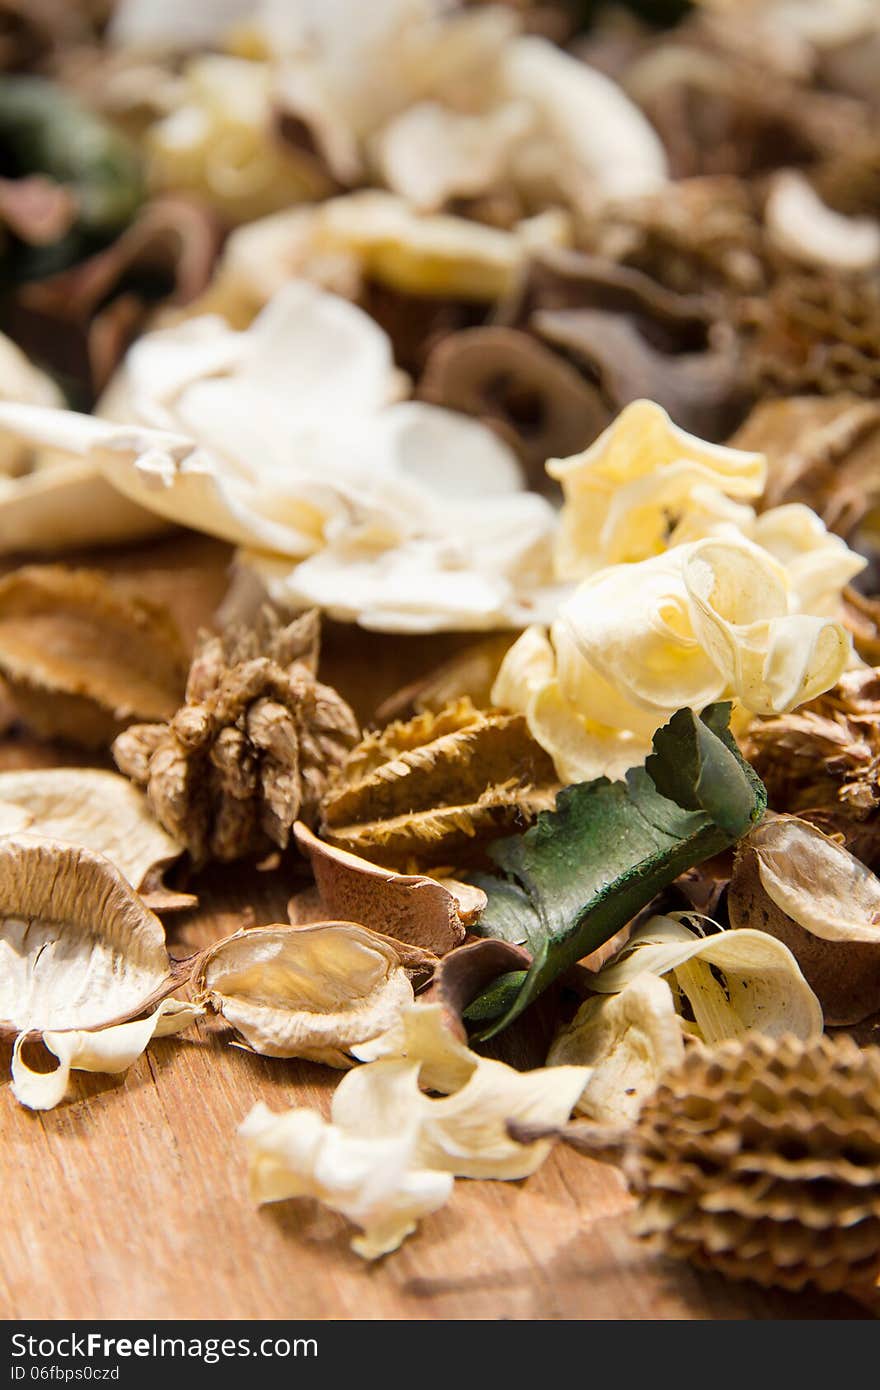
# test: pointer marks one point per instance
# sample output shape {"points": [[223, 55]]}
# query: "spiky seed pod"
{"points": [[435, 789], [760, 1159], [251, 749]]}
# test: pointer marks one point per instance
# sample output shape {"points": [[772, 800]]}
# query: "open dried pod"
{"points": [[83, 964], [823, 451], [83, 656], [538, 401], [427, 912], [100, 811], [435, 789], [759, 1159], [821, 760], [250, 750], [809, 892], [313, 992]]}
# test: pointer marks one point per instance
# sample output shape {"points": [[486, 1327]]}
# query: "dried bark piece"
{"points": [[861, 613], [81, 958], [427, 912], [760, 1160], [251, 749], [823, 451], [542, 404], [821, 761], [100, 811], [435, 789], [809, 892], [466, 972], [83, 656], [313, 992]]}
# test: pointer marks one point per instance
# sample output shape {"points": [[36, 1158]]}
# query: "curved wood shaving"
{"points": [[83, 657], [78, 948], [435, 789], [311, 992], [97, 810], [408, 907]]}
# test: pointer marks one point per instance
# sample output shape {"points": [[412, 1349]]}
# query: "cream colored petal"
{"points": [[805, 228], [581, 748], [99, 810], [817, 562], [527, 666], [374, 1181], [421, 1035], [599, 128], [817, 882], [110, 1050], [313, 992], [763, 989], [430, 154], [67, 506], [626, 1040], [771, 661]]}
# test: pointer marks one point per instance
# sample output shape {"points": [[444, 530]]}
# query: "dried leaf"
{"points": [[313, 992], [252, 747], [420, 911], [573, 880], [626, 1040], [734, 982], [809, 892], [83, 656], [96, 810], [435, 789]]}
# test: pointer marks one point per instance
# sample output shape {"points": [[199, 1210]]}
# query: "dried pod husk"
{"points": [[809, 892], [435, 789], [83, 964], [83, 656], [761, 1160], [314, 992], [427, 912], [250, 750], [98, 810], [821, 760]]}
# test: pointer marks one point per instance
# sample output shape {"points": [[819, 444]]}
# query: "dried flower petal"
{"points": [[809, 892], [313, 992], [83, 656], [424, 912], [735, 982], [435, 789], [801, 225], [627, 1041]]}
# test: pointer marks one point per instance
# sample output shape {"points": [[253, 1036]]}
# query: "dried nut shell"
{"points": [[78, 948], [761, 1160], [809, 892], [408, 907], [312, 992], [435, 789], [82, 657], [100, 811]]}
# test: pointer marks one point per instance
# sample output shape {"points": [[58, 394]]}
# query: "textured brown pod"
{"points": [[760, 1159], [437, 788], [83, 657], [250, 750]]}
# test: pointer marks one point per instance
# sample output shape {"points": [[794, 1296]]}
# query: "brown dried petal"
{"points": [[408, 907], [433, 790], [84, 658], [806, 890]]}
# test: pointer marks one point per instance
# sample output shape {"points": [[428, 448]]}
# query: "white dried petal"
{"points": [[627, 1041], [805, 228], [761, 988], [816, 882], [98, 810], [314, 992], [430, 154]]}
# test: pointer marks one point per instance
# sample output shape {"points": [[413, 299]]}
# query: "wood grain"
{"points": [[130, 1200]]}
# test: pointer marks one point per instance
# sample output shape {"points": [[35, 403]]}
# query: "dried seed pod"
{"points": [[83, 656], [760, 1159], [433, 790], [250, 750]]}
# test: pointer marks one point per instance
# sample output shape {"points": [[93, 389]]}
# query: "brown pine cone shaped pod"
{"points": [[251, 749], [761, 1159], [435, 789]]}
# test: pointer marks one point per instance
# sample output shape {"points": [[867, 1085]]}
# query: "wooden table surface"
{"points": [[130, 1199]]}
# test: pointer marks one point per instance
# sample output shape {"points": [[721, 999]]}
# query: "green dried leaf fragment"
{"points": [[586, 869]]}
